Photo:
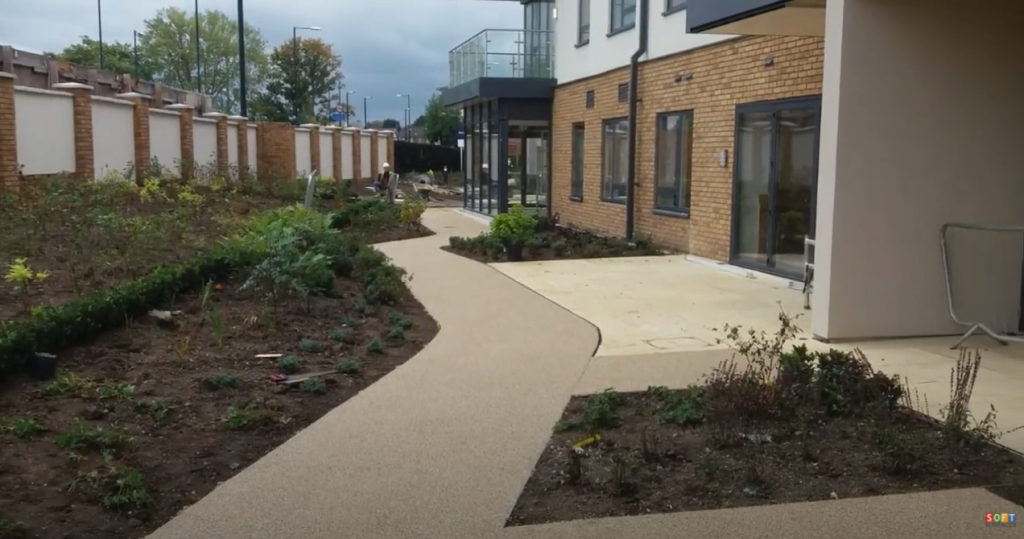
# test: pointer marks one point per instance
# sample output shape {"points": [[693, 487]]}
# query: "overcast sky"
{"points": [[388, 47]]}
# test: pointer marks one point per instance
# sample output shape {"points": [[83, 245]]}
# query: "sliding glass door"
{"points": [[774, 180]]}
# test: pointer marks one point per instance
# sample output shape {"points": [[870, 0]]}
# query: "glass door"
{"points": [[775, 174]]}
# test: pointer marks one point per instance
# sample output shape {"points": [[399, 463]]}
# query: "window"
{"points": [[673, 161], [615, 154], [578, 136], [623, 16], [590, 99], [583, 33], [624, 92], [672, 6]]}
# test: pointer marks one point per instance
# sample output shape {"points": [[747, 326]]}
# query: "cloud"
{"points": [[388, 47]]}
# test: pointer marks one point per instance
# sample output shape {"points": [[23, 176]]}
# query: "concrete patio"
{"points": [[441, 447]]}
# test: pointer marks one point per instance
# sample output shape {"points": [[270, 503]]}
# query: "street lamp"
{"points": [[199, 61], [366, 117], [135, 52], [99, 20], [348, 108], [408, 113], [241, 59], [295, 65]]}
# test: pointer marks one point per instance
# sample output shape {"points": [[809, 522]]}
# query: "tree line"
{"points": [[297, 81]]}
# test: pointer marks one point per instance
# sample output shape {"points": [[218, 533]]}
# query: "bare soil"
{"points": [[665, 468], [186, 434]]}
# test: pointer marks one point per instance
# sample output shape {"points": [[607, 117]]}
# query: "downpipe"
{"points": [[634, 76]]}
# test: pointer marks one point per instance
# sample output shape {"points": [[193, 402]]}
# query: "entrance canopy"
{"points": [[757, 17]]}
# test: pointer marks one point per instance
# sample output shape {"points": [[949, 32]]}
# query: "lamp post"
{"points": [[241, 60], [135, 52], [199, 62], [295, 66], [366, 115], [408, 113], [99, 20], [348, 108]]}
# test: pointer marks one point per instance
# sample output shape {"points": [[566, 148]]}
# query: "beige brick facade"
{"points": [[357, 154], [314, 150], [85, 163], [724, 75], [391, 147], [276, 146], [242, 127], [8, 134], [336, 154], [140, 121], [187, 142]]}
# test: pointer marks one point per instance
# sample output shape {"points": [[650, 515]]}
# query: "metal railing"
{"points": [[503, 53]]}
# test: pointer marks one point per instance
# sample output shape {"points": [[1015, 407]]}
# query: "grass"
{"points": [[116, 487], [85, 437], [21, 427], [223, 381]]}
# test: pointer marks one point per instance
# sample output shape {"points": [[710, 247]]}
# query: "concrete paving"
{"points": [[441, 447]]}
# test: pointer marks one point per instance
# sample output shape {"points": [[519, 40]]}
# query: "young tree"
{"points": [[118, 57], [304, 74], [439, 122], [169, 43], [391, 123], [421, 121]]}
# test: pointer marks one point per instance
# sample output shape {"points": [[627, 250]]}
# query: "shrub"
{"points": [[411, 212], [514, 227], [365, 215]]}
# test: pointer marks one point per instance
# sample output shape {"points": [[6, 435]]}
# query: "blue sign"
{"points": [[337, 116], [460, 132]]}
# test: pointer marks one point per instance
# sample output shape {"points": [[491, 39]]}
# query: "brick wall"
{"points": [[276, 143], [357, 154], [314, 151], [140, 118], [8, 136], [374, 154], [336, 153], [724, 75], [188, 147], [85, 162]]}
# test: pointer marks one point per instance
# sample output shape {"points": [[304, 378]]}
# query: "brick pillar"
{"points": [[222, 142], [314, 148], [243, 145], [391, 149], [142, 145], [357, 154], [276, 151], [85, 162], [336, 152], [374, 153], [8, 134], [188, 157]]}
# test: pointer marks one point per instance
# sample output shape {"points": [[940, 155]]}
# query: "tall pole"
{"points": [[135, 52], [408, 115], [99, 19], [366, 115], [348, 108], [241, 61], [295, 73], [199, 62]]}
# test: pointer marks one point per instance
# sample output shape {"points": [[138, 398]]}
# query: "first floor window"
{"points": [[623, 15], [671, 6], [578, 136], [583, 30], [673, 161], [615, 157]]}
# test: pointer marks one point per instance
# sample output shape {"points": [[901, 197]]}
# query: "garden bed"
{"points": [[544, 239], [736, 441]]}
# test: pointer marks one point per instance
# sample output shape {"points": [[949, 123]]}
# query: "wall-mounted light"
{"points": [[684, 76], [554, 13], [768, 61]]}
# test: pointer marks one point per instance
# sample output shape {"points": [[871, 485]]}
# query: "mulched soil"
{"points": [[184, 456], [682, 469], [558, 243]]}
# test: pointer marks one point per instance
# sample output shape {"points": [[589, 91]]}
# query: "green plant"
{"points": [[341, 335], [311, 346], [514, 228], [348, 367], [399, 320], [601, 411], [375, 346], [116, 391], [21, 427], [116, 487], [684, 408], [84, 437], [411, 212], [11, 529], [24, 278], [901, 453], [222, 381], [394, 333], [217, 326], [313, 385], [289, 365], [66, 383], [156, 409], [243, 417]]}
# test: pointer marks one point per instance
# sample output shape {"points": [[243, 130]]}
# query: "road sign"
{"points": [[339, 108], [338, 116], [460, 132]]}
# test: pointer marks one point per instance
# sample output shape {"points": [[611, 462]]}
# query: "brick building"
{"points": [[725, 128]]}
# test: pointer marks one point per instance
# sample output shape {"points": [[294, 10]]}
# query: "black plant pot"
{"points": [[42, 367], [514, 252]]}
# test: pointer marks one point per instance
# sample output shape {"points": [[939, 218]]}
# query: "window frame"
{"points": [[577, 160], [683, 169], [670, 8], [582, 26], [616, 24], [615, 164]]}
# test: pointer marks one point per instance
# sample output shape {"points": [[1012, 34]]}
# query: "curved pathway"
{"points": [[440, 447]]}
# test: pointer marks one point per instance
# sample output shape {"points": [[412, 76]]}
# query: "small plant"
{"points": [[649, 445], [959, 426], [311, 346], [411, 212], [513, 230], [314, 385], [349, 322], [116, 391], [222, 381], [599, 412], [901, 453], [151, 189], [341, 335], [683, 408], [622, 476], [395, 333], [375, 346], [289, 364], [24, 279], [398, 319], [116, 487], [67, 383], [709, 468], [22, 427], [575, 469], [348, 367], [11, 529], [217, 326], [243, 417], [159, 412], [85, 437]]}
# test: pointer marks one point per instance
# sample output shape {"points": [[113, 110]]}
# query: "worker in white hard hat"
{"points": [[380, 185]]}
